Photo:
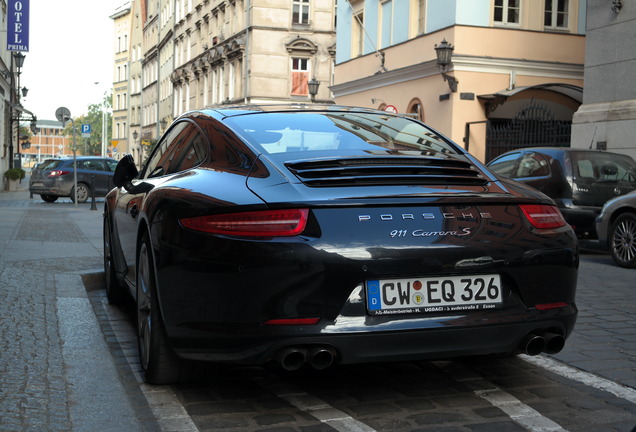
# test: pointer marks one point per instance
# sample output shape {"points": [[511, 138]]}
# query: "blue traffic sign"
{"points": [[86, 129]]}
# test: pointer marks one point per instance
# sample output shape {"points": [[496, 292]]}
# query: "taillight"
{"points": [[58, 173], [543, 216], [267, 223]]}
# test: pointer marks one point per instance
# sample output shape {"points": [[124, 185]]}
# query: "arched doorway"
{"points": [[530, 117]]}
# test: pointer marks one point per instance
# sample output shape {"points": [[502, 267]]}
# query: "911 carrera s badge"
{"points": [[423, 233]]}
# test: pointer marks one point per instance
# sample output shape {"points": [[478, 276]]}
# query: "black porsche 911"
{"points": [[311, 236]]}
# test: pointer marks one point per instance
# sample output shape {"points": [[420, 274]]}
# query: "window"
{"points": [[357, 38], [162, 156], [505, 165], [387, 20], [421, 17], [556, 13], [193, 154], [91, 165], [300, 76], [532, 165], [507, 11], [300, 12]]}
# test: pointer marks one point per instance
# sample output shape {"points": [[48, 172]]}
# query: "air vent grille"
{"points": [[386, 171]]}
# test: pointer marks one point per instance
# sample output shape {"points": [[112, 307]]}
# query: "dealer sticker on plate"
{"points": [[433, 294]]}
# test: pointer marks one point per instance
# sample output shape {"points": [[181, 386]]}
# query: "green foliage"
{"points": [[14, 174], [24, 133], [94, 117]]}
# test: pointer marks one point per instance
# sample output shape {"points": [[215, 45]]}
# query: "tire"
{"points": [[622, 240], [48, 198], [159, 362], [115, 291], [83, 193]]}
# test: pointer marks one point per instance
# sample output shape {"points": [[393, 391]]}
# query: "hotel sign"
{"points": [[18, 25]]}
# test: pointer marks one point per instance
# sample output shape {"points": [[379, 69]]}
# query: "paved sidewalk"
{"points": [[56, 372]]}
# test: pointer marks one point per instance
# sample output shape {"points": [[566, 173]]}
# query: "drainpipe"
{"points": [[246, 55]]}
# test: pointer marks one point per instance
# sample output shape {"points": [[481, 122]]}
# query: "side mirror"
{"points": [[125, 172]]}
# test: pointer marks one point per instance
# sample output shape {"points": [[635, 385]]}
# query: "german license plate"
{"points": [[433, 294], [37, 184]]}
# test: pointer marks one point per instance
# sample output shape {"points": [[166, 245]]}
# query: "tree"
{"points": [[94, 117]]}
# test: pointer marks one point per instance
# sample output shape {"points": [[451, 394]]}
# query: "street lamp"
{"points": [[444, 53], [19, 59], [137, 147], [313, 88]]}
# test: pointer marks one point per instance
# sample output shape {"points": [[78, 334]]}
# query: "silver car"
{"points": [[616, 229]]}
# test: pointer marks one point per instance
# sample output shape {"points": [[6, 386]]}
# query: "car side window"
{"points": [[95, 165], [505, 165], [193, 154], [159, 162], [90, 164], [532, 165], [112, 164]]}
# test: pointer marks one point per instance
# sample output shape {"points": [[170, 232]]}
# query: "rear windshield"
{"points": [[49, 164], [306, 132], [603, 166]]}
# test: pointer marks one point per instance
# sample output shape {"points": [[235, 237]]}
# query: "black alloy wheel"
{"points": [[623, 240], [115, 292], [159, 362], [83, 192], [48, 198]]}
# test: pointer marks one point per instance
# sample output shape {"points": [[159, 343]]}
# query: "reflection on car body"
{"points": [[580, 181], [312, 236]]}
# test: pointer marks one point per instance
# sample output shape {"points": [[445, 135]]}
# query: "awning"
{"points": [[572, 91]]}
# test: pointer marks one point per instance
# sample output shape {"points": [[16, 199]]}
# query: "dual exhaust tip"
{"points": [[542, 342], [322, 357], [293, 358]]}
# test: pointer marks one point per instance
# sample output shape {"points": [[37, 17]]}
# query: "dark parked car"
{"points": [[616, 228], [55, 178], [324, 235], [579, 181]]}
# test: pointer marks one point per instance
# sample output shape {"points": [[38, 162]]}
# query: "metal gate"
{"points": [[533, 126]]}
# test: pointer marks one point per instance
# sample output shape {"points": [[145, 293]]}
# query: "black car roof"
{"points": [[236, 110]]}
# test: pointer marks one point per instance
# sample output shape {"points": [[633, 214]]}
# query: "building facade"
{"points": [[516, 69], [137, 20], [121, 82], [49, 142], [12, 112], [607, 118], [190, 54], [252, 51]]}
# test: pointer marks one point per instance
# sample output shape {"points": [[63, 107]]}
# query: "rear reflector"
{"points": [[293, 321], [267, 223], [543, 216], [548, 306]]}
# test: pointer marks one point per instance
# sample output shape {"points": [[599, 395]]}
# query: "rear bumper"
{"points": [[582, 220], [50, 188], [424, 344]]}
